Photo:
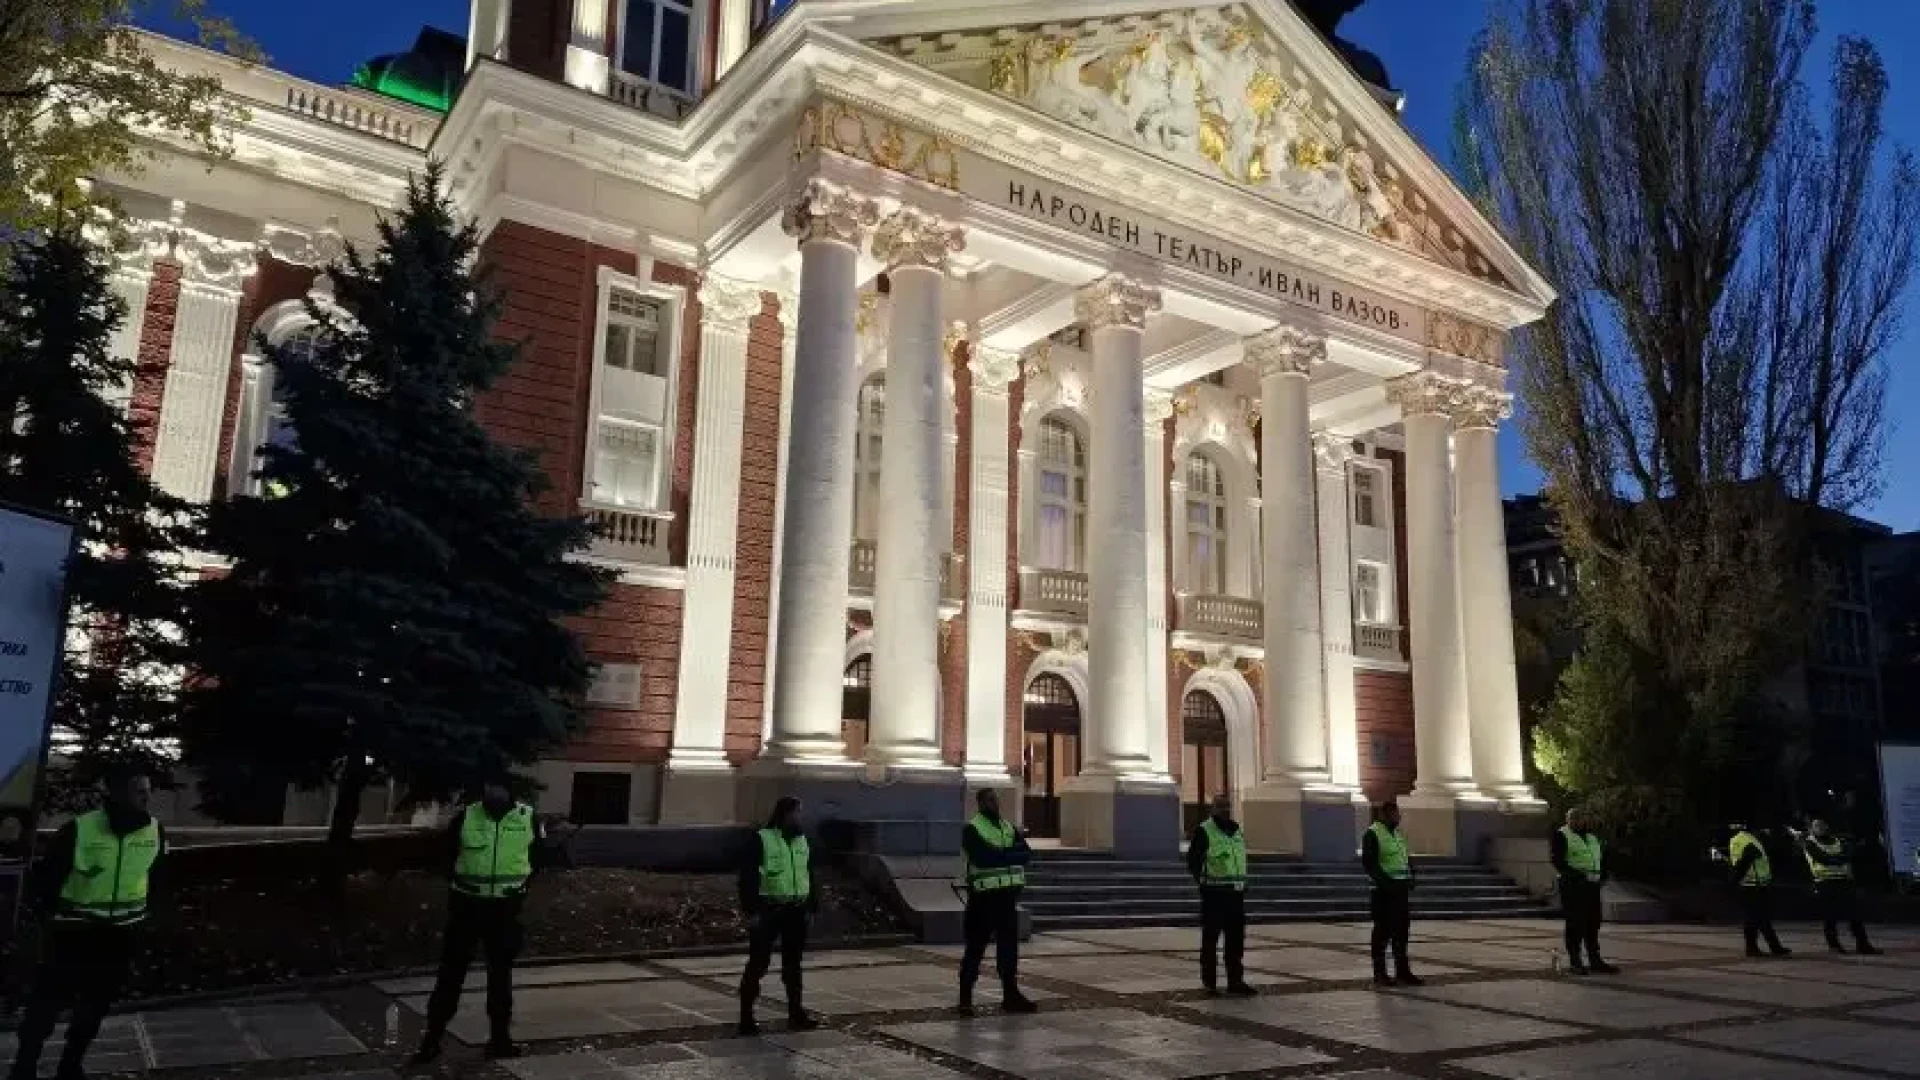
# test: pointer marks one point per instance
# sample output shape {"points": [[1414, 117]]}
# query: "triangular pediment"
{"points": [[1224, 91]]}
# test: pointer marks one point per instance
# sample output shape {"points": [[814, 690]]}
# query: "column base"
{"points": [[910, 812], [699, 793], [1480, 823], [1312, 822], [1007, 784], [1127, 817]]}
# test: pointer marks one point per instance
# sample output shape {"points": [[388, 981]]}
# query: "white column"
{"points": [[130, 283], [993, 372], [789, 325], [186, 448], [1296, 736], [1442, 741], [904, 729], [727, 310], [1486, 616], [1331, 455], [736, 31], [818, 529], [587, 65], [1114, 311], [1157, 405]]}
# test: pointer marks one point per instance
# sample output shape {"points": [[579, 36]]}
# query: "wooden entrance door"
{"points": [[1203, 755], [1051, 718]]}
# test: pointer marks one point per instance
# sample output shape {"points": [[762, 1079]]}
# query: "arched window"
{"points": [[1206, 526], [1203, 755], [866, 458], [1062, 498], [263, 419]]}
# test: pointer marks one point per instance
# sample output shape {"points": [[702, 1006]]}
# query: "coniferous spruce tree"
{"points": [[66, 447], [393, 604]]}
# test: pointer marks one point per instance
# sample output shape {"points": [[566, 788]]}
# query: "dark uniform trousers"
{"points": [[786, 926], [474, 923], [84, 965], [1223, 913], [1580, 905], [1392, 909], [1756, 903], [1839, 903], [991, 915]]}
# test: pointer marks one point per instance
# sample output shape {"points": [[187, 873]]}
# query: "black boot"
{"points": [[500, 1045], [1013, 1001], [749, 1027], [429, 1051], [26, 1064], [1406, 977]]}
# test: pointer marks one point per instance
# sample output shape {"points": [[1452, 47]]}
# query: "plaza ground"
{"points": [[1121, 1005]]}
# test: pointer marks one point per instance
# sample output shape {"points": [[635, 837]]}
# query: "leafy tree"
{"points": [[393, 604], [76, 85], [1731, 274], [65, 447]]}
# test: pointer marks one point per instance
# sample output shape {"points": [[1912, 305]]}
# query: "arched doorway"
{"points": [[1203, 754], [1051, 718], [856, 701]]}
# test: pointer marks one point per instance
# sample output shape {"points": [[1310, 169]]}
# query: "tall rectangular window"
{"points": [[629, 437], [1369, 593], [1366, 497], [657, 41]]}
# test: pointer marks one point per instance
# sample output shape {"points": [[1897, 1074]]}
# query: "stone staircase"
{"points": [[1083, 889]]}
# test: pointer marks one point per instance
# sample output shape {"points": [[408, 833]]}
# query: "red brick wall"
{"points": [[635, 625], [753, 551], [953, 633], [1383, 712], [150, 365], [537, 35]]}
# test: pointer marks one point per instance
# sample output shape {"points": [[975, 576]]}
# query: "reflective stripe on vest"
{"points": [[1832, 849], [496, 857], [1000, 837], [1583, 853], [1393, 851], [784, 874], [108, 882], [1761, 872], [1226, 863]]}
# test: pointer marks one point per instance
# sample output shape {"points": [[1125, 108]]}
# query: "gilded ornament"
{"points": [[843, 129], [1308, 154], [1265, 92], [868, 315]]}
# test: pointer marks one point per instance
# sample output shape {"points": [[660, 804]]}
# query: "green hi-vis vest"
{"points": [[1761, 872], [999, 837], [1226, 857], [784, 878], [108, 882], [1393, 851], [1832, 849], [496, 857], [1583, 853]]}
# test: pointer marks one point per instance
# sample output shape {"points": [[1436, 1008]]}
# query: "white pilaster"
{"points": [[1493, 691], [1331, 455], [993, 372], [818, 529], [1115, 740], [1296, 735], [186, 448], [130, 283], [789, 325], [1442, 740], [727, 310], [1157, 406], [904, 729], [587, 64], [736, 32]]}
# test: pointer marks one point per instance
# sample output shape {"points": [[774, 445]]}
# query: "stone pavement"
{"points": [[1123, 1005]]}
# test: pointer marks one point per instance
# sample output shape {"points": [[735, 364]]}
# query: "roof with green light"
{"points": [[428, 75]]}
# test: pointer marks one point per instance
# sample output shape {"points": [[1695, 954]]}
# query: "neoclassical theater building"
{"points": [[1093, 399]]}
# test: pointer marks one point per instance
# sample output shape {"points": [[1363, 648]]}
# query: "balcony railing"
{"points": [[1376, 641], [337, 108], [1232, 617], [1061, 592], [863, 566], [625, 534], [638, 93]]}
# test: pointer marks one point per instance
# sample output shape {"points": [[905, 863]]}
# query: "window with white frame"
{"points": [[766, 12], [1062, 497], [633, 397], [1370, 594], [1367, 512], [657, 42], [1206, 526], [871, 422], [263, 419]]}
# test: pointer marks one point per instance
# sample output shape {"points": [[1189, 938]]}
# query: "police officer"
{"points": [[1383, 855], [776, 892], [96, 879], [1754, 873], [493, 845], [1217, 859], [1832, 867], [995, 855], [1577, 857]]}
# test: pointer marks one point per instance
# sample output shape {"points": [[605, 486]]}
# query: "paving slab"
{"points": [[1038, 945], [1134, 973], [1756, 988], [1817, 1039], [1101, 1044], [574, 1012], [1313, 933], [1579, 1002], [222, 1035], [823, 1055], [116, 1049], [1391, 1022], [1640, 1057], [891, 988], [1908, 1013], [1480, 954], [528, 977], [1325, 965], [733, 964], [1866, 972], [1141, 939], [1464, 930], [1641, 950]]}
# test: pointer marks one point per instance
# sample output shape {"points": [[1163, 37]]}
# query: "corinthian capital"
{"points": [[993, 369], [726, 304], [1332, 452], [827, 211], [914, 239], [1481, 407], [1155, 407], [1286, 350], [1116, 300], [1424, 393]]}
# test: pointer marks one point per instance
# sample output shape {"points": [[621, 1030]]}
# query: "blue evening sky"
{"points": [[1424, 44]]}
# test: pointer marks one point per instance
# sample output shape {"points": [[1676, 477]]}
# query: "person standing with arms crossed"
{"points": [[995, 856], [1383, 855], [96, 876], [1577, 857], [1754, 873], [1832, 867], [777, 893], [1217, 859]]}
